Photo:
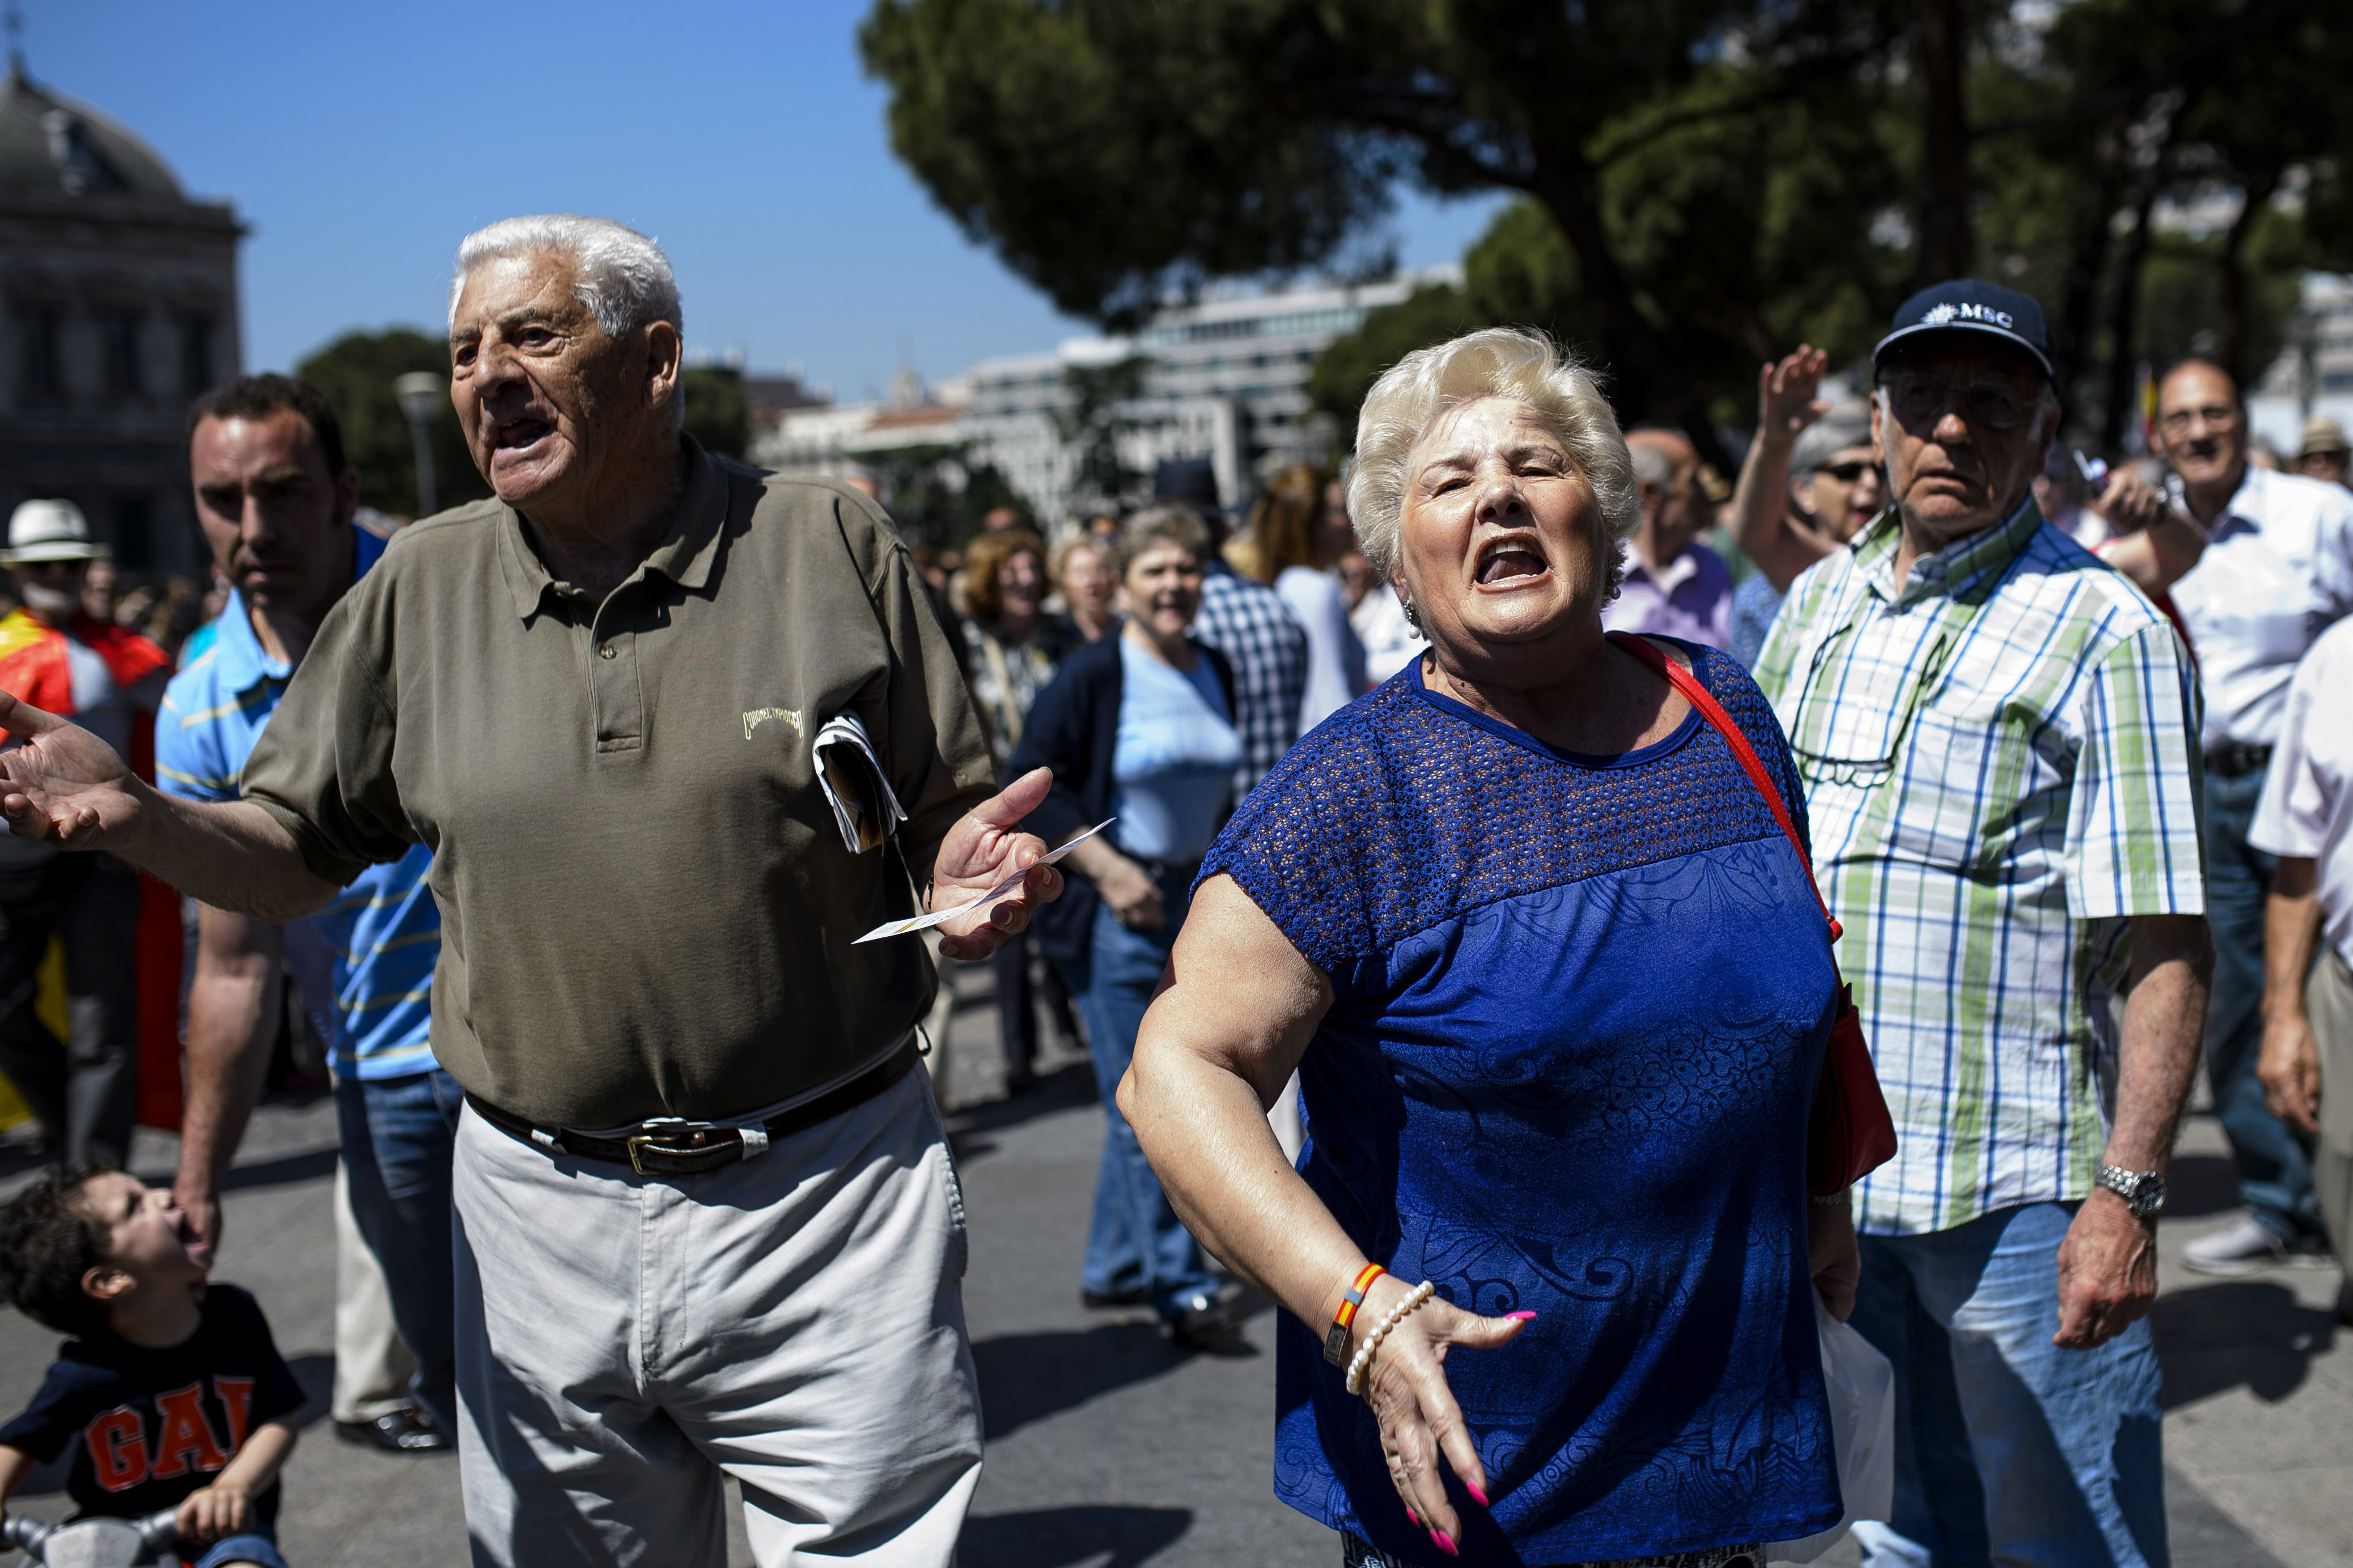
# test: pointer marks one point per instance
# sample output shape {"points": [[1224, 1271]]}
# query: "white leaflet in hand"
{"points": [[926, 922]]}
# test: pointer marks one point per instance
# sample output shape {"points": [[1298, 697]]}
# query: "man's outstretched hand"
{"points": [[63, 785], [981, 850]]}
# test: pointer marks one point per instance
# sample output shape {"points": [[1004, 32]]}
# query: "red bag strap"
{"points": [[1684, 681]]}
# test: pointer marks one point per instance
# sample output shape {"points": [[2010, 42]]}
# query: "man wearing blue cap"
{"points": [[1999, 738]]}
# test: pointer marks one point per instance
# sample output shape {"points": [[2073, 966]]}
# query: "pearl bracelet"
{"points": [[1389, 1320]]}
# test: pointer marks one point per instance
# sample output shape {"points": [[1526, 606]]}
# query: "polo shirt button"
{"points": [[607, 652]]}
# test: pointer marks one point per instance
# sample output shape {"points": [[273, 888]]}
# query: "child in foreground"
{"points": [[172, 1393]]}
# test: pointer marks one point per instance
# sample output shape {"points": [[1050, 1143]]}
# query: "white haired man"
{"points": [[706, 1217], [1998, 736]]}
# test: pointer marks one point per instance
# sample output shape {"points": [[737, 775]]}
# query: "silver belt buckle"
{"points": [[655, 1130]]}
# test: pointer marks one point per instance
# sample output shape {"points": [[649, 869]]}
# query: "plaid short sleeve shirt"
{"points": [[2000, 764], [1250, 624]]}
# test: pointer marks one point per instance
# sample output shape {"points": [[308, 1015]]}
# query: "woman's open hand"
{"points": [[1406, 1386]]}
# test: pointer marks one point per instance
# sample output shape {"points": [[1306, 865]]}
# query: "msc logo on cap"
{"points": [[1949, 312]]}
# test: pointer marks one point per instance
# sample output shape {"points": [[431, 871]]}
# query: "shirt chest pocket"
{"points": [[1970, 785]]}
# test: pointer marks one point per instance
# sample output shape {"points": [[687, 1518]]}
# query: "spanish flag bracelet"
{"points": [[1335, 1338]]}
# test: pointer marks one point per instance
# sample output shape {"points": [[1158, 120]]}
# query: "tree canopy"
{"points": [[1703, 183], [716, 414], [356, 373]]}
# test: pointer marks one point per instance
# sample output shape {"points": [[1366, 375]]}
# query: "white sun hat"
{"points": [[49, 531]]}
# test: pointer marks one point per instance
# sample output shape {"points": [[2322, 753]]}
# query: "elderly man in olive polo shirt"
{"points": [[707, 1219]]}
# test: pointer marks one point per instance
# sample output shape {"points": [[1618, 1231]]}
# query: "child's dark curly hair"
{"points": [[47, 1242]]}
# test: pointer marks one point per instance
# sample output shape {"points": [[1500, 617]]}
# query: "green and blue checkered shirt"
{"points": [[2001, 768]]}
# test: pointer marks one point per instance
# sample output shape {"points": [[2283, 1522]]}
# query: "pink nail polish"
{"points": [[1445, 1542], [1477, 1496], [1411, 1515], [1520, 1317]]}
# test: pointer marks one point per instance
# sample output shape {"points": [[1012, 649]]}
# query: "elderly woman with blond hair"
{"points": [[1550, 967]]}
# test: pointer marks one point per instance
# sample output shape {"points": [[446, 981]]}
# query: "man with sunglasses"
{"points": [[1997, 735], [2275, 571], [111, 679]]}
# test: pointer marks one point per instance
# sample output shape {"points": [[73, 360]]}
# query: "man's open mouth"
{"points": [[1508, 558], [518, 435]]}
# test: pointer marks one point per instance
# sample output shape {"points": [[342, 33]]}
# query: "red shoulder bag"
{"points": [[1851, 1133]]}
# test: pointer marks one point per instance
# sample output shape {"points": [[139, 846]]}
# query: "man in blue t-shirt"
{"points": [[276, 500]]}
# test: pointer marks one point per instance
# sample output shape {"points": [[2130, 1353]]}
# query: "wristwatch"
{"points": [[2142, 1190]]}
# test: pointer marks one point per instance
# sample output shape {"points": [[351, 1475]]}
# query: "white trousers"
{"points": [[371, 1366], [795, 1320]]}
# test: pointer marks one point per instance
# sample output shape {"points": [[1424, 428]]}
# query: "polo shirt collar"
{"points": [[688, 546], [2246, 508], [238, 655], [1966, 570], [1667, 579]]}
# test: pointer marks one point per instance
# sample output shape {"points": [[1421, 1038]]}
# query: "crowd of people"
{"points": [[1492, 835]]}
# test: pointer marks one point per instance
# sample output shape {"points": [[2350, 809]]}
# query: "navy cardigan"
{"points": [[1073, 728]]}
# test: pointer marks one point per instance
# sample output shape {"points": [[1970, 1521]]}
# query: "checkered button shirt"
{"points": [[1250, 624], [2000, 769]]}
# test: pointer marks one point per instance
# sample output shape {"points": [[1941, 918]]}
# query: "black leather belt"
{"points": [[689, 1149], [2230, 760]]}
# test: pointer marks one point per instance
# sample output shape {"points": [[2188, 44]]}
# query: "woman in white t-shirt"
{"points": [[1294, 541]]}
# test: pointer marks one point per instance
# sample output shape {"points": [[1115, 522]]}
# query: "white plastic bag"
{"points": [[1862, 1388]]}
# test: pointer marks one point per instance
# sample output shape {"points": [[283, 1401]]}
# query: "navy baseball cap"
{"points": [[1967, 305]]}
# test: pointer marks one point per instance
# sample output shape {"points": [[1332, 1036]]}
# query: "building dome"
{"points": [[51, 145]]}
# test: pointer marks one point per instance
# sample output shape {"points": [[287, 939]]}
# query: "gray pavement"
{"points": [[1109, 1449]]}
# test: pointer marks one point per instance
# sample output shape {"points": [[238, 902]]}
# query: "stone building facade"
{"points": [[118, 305]]}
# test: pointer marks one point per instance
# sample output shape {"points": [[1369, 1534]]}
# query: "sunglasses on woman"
{"points": [[1845, 473]]}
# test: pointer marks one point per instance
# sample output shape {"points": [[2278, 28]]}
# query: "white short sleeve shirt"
{"points": [[2307, 805], [2277, 571]]}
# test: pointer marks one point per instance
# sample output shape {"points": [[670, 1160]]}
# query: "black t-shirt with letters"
{"points": [[149, 1426]]}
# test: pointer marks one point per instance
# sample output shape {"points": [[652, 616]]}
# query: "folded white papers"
{"points": [[851, 776], [926, 922]]}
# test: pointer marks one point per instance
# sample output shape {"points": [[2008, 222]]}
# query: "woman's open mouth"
{"points": [[1506, 559]]}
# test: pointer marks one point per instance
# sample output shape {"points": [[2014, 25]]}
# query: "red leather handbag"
{"points": [[1851, 1133]]}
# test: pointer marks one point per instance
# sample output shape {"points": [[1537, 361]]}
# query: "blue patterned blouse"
{"points": [[1579, 1005]]}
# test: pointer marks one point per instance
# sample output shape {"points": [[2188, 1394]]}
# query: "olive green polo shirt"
{"points": [[646, 907]]}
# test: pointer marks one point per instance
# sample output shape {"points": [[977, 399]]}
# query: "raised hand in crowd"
{"points": [[1787, 403], [2156, 544]]}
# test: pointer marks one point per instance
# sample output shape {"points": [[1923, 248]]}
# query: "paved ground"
{"points": [[1107, 1449]]}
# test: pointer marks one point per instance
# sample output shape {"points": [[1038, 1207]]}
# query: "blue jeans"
{"points": [[399, 1134], [2274, 1161], [2007, 1448], [1138, 1241], [252, 1546]]}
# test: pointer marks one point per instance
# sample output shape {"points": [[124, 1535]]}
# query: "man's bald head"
{"points": [[1675, 508], [2201, 379], [2203, 428]]}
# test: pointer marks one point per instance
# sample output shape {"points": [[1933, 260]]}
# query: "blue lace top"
{"points": [[1579, 1005]]}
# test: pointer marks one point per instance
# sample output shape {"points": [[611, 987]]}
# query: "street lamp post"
{"points": [[420, 393]]}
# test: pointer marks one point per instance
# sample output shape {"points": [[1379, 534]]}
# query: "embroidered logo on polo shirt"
{"points": [[753, 720]]}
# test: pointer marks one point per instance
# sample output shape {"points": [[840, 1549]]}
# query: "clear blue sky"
{"points": [[360, 141]]}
